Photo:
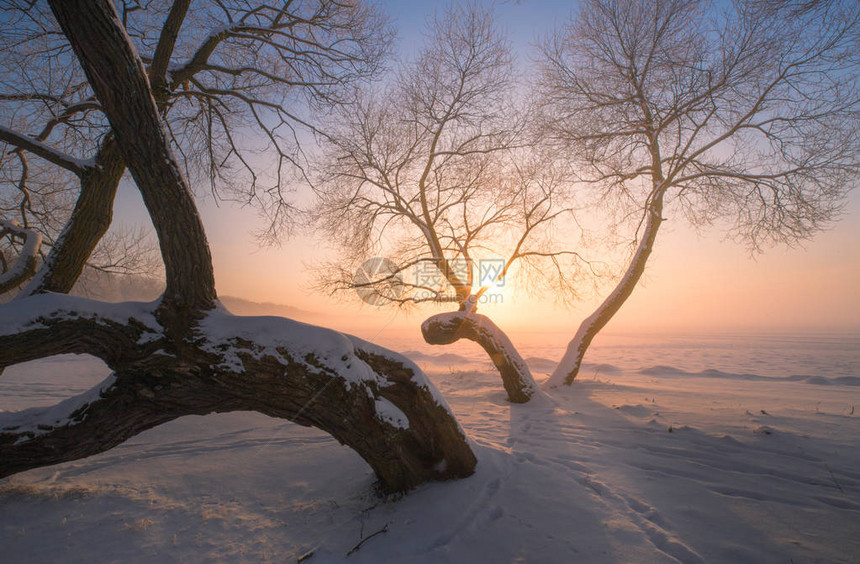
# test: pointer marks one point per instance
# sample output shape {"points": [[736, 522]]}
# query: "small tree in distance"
{"points": [[437, 173], [747, 114]]}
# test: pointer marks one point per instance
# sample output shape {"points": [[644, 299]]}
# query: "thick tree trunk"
{"points": [[93, 212], [118, 77], [90, 220], [568, 368], [375, 401], [447, 328]]}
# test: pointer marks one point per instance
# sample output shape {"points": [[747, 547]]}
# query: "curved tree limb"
{"points": [[447, 328], [47, 152], [374, 401]]}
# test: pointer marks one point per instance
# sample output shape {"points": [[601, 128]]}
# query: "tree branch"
{"points": [[166, 44], [447, 328], [40, 149], [378, 403], [25, 266]]}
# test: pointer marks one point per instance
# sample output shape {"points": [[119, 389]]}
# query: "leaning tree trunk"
{"points": [[118, 78], [90, 220], [93, 211], [447, 328], [185, 357], [374, 401], [568, 368]]}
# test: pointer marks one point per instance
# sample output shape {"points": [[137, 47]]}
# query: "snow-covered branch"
{"points": [[375, 401], [24, 266], [44, 151], [447, 328]]}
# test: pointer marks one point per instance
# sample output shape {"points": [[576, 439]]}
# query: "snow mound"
{"points": [[440, 359], [672, 372]]}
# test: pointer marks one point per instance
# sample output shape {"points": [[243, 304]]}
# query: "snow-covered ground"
{"points": [[684, 449]]}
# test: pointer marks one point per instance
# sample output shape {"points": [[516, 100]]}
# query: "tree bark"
{"points": [[568, 368], [90, 220], [157, 380], [93, 212], [118, 78], [447, 328], [164, 49]]}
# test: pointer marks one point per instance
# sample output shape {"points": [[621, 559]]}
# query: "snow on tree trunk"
{"points": [[25, 266], [569, 366], [375, 401], [447, 328]]}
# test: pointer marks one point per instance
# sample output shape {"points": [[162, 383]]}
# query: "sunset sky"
{"points": [[696, 281]]}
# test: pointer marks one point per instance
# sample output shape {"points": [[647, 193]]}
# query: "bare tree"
{"points": [[435, 173], [218, 70], [185, 356], [747, 116]]}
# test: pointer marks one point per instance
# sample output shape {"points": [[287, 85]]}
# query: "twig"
{"points": [[306, 555], [832, 477], [364, 540]]}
